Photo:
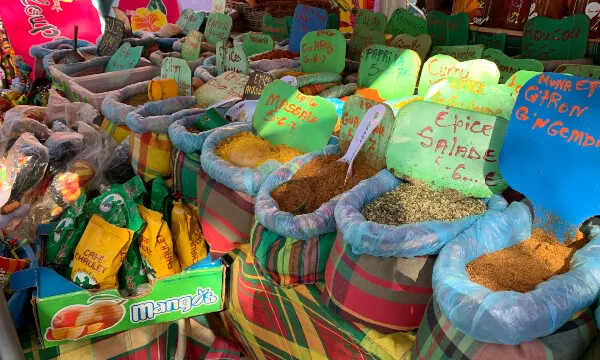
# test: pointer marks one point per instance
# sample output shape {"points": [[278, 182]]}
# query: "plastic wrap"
{"points": [[304, 226], [62, 109], [407, 241], [11, 130], [58, 126], [157, 116], [509, 317], [37, 113], [62, 147], [113, 107]]}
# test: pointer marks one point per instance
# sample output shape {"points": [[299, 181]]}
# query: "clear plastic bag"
{"points": [[60, 108]]}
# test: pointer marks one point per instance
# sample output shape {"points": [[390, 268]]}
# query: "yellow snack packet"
{"points": [[187, 235], [99, 254], [156, 246]]}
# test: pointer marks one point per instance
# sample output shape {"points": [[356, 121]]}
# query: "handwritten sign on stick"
{"points": [[549, 39], [257, 82], [323, 51], [551, 147], [120, 15], [192, 46], [363, 38], [392, 72], [218, 6], [178, 70], [403, 22], [460, 53], [231, 59], [448, 30], [218, 27], [490, 41], [112, 37], [519, 79], [449, 148], [257, 43], [125, 58], [373, 151], [225, 86], [190, 21], [306, 19], [509, 66], [373, 21], [184, 17], [588, 71], [277, 28], [420, 44], [286, 116]]}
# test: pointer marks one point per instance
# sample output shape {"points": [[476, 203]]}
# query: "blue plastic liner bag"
{"points": [[39, 52]]}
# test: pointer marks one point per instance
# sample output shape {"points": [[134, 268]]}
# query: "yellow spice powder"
{"points": [[248, 150]]}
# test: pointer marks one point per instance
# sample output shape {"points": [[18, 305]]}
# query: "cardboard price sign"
{"points": [[277, 28], [192, 46], [489, 99], [420, 44], [490, 41], [218, 6], [120, 15], [519, 79], [218, 27], [125, 58], [548, 39], [448, 148], [442, 66], [373, 21], [286, 116], [509, 66], [361, 39], [323, 51], [112, 37], [257, 43], [460, 53], [373, 150], [306, 19], [225, 86], [392, 72], [403, 22], [190, 21], [448, 30], [588, 71], [231, 59], [178, 70], [257, 82], [550, 151]]}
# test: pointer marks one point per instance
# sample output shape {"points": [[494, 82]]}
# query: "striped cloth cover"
{"points": [[118, 132], [387, 294], [150, 154], [437, 339], [225, 215], [184, 172], [289, 261]]}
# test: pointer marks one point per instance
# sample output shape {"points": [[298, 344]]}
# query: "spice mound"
{"points": [[248, 150], [137, 100], [522, 267], [325, 179], [417, 202]]}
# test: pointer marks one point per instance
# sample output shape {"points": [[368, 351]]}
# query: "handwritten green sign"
{"points": [[519, 79], [448, 30], [373, 151], [509, 66], [489, 99], [461, 53], [420, 44], [392, 72], [403, 22], [361, 39], [231, 59], [225, 86], [178, 70], [218, 27], [257, 43], [192, 46], [125, 58], [449, 148], [112, 37], [373, 21], [286, 116], [549, 39], [190, 20], [277, 28], [442, 66], [490, 41], [323, 51], [588, 71], [333, 21]]}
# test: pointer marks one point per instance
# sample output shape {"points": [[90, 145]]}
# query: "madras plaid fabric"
{"points": [[184, 172], [385, 293], [273, 322], [438, 339], [225, 215], [150, 154], [118, 132], [593, 352], [289, 261]]}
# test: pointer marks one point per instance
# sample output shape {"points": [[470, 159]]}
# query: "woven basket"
{"points": [[254, 19]]}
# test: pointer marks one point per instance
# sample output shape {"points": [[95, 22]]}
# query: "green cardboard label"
{"points": [[509, 66], [81, 315], [257, 43], [225, 86], [184, 17], [448, 30], [392, 72], [373, 151], [420, 44], [442, 66], [218, 27], [218, 6], [286, 116], [461, 53], [112, 36], [231, 59], [489, 99], [361, 39], [190, 21], [192, 46], [490, 41], [125, 58], [588, 71], [323, 51], [519, 79], [373, 21], [178, 70], [277, 28], [549, 39], [403, 22], [333, 22], [448, 148]]}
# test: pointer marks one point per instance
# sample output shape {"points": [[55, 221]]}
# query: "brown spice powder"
{"points": [[522, 267], [325, 176], [137, 100]]}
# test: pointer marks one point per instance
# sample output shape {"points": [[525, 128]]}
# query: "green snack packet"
{"points": [[159, 198], [65, 236], [132, 274]]}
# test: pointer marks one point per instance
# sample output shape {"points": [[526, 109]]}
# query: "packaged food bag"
{"points": [[63, 240], [99, 254], [189, 242], [156, 246]]}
